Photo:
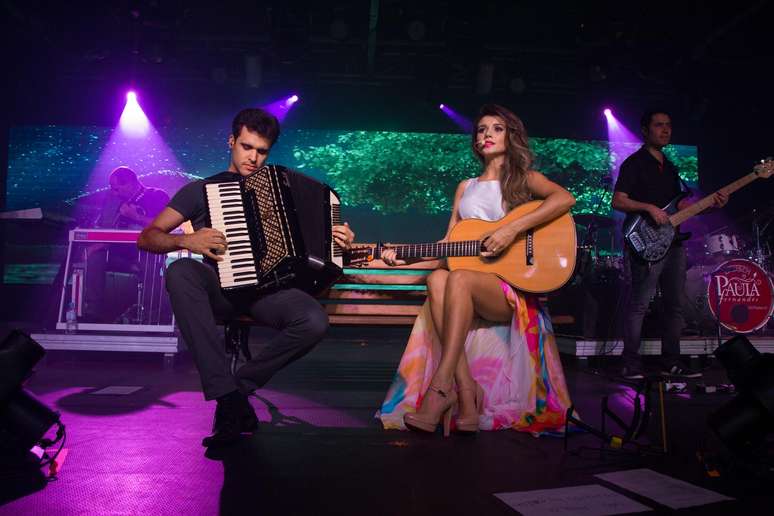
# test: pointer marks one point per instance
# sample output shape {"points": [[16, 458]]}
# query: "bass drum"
{"points": [[740, 295]]}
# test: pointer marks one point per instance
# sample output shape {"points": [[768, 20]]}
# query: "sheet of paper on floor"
{"points": [[662, 489], [591, 500], [118, 390]]}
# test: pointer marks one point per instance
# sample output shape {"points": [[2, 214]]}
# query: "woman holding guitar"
{"points": [[461, 352]]}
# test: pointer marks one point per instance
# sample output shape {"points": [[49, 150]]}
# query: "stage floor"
{"points": [[319, 449], [583, 347]]}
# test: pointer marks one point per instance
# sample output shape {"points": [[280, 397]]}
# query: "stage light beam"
{"points": [[621, 141], [462, 122], [134, 142], [281, 107], [133, 121]]}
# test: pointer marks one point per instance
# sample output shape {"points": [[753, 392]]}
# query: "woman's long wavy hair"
{"points": [[518, 156]]}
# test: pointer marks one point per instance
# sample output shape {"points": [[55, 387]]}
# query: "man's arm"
{"points": [[157, 239], [622, 202]]}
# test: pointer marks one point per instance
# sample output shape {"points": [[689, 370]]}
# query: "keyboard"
{"points": [[227, 215]]}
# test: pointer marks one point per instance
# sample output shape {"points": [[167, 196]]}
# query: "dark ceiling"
{"points": [[385, 63], [631, 50]]}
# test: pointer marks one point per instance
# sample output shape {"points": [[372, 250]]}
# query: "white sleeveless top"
{"points": [[482, 200]]}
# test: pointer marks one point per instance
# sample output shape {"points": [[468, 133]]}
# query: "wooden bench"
{"points": [[385, 296], [373, 294], [377, 294]]}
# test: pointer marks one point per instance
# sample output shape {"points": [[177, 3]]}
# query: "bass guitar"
{"points": [[651, 241]]}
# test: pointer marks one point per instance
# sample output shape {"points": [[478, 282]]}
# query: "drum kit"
{"points": [[728, 282], [597, 264], [730, 279], [592, 296]]}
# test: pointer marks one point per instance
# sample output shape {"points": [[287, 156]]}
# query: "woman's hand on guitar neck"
{"points": [[390, 256], [496, 242]]}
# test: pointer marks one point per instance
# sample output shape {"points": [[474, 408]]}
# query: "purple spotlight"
{"points": [[462, 122], [617, 133], [280, 108], [134, 143], [621, 142], [133, 121]]}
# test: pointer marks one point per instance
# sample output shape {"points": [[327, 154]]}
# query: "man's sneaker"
{"points": [[631, 373], [678, 371]]}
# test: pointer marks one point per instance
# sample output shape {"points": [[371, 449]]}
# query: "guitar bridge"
{"points": [[530, 248]]}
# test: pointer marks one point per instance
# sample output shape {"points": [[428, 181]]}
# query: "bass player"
{"points": [[647, 180]]}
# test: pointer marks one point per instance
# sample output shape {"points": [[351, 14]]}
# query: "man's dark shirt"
{"points": [[642, 179], [150, 200], [191, 202]]}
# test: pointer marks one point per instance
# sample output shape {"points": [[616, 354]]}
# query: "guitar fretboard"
{"points": [[701, 205], [439, 249]]}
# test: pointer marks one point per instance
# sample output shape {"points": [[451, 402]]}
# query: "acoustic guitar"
{"points": [[540, 260]]}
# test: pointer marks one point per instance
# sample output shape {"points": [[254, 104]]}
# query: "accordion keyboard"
{"points": [[337, 255], [227, 215]]}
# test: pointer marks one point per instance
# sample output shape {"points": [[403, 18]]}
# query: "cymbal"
{"points": [[600, 221]]}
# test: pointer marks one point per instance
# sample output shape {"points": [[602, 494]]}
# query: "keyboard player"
{"points": [[127, 205], [197, 299]]}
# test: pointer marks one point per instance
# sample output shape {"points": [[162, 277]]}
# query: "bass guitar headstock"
{"points": [[765, 168]]}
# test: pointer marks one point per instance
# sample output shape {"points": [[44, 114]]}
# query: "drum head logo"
{"points": [[740, 295]]}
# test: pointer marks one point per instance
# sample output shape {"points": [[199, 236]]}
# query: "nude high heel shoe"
{"points": [[470, 425], [430, 414]]}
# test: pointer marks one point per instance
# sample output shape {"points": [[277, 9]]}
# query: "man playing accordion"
{"points": [[198, 300]]}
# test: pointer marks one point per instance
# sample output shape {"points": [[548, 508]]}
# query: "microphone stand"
{"points": [[718, 325]]}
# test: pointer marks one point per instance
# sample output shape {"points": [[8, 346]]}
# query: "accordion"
{"points": [[278, 227]]}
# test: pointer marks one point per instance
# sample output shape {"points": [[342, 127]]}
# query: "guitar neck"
{"points": [[438, 249], [701, 205]]}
